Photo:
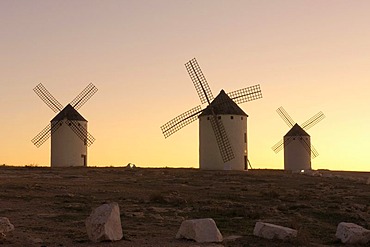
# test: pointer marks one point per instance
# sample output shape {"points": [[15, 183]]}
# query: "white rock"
{"points": [[350, 233], [200, 230], [5, 226], [271, 231], [104, 223]]}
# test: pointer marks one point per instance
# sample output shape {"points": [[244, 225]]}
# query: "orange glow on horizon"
{"points": [[308, 56]]}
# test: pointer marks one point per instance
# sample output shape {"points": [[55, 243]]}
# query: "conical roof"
{"points": [[296, 130], [68, 113], [223, 105]]}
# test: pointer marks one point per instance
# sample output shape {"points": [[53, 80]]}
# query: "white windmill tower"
{"points": [[68, 129], [298, 149], [222, 124]]}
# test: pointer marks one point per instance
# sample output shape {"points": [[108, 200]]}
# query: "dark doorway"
{"points": [[84, 157]]}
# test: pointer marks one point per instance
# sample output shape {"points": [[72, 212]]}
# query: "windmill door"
{"points": [[84, 158]]}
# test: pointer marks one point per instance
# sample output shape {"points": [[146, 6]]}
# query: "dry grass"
{"points": [[52, 204]]}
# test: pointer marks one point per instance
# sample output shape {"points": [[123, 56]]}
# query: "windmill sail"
{"points": [[215, 107], [199, 81], [181, 121], [222, 139], [69, 113], [298, 131], [246, 94], [48, 99]]}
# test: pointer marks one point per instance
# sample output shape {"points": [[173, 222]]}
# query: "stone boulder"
{"points": [[5, 226], [350, 233], [104, 223], [271, 231], [200, 230]]}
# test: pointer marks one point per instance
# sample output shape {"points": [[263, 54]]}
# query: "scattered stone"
{"points": [[271, 231], [350, 233], [104, 223], [200, 230], [5, 226]]}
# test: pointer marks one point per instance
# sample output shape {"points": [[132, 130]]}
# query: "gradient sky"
{"points": [[308, 56]]}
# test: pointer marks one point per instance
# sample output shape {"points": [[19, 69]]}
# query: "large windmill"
{"points": [[222, 123], [68, 129], [298, 149]]}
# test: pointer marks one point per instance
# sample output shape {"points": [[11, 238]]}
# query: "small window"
{"points": [[231, 117], [219, 117], [245, 137], [241, 118], [207, 118]]}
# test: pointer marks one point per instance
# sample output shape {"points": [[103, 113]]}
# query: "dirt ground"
{"points": [[48, 206]]}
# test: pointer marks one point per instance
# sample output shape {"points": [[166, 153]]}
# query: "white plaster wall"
{"points": [[67, 147], [296, 156], [209, 153]]}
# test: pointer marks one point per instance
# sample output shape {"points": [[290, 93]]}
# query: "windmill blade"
{"points": [[305, 144], [84, 96], [223, 142], [285, 116], [314, 152], [310, 148], [181, 121], [313, 120], [246, 94], [199, 81], [44, 134], [281, 144], [81, 132], [278, 146], [49, 99]]}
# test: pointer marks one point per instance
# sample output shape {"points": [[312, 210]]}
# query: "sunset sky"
{"points": [[308, 56]]}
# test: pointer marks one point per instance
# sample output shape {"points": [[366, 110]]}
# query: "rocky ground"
{"points": [[48, 207]]}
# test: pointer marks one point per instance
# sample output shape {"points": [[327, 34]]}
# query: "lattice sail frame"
{"points": [[48, 99], [54, 105], [306, 125], [199, 81], [246, 94], [206, 96], [181, 121], [84, 96], [222, 139]]}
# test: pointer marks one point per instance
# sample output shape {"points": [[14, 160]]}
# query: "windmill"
{"points": [[222, 123], [68, 129], [298, 149]]}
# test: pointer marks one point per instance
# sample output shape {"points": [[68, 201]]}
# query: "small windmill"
{"points": [[222, 123], [68, 129], [298, 149]]}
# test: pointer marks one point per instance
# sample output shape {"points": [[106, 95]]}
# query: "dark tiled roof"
{"points": [[223, 105], [296, 130], [69, 113]]}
